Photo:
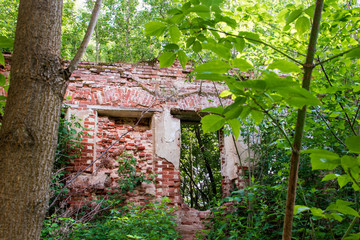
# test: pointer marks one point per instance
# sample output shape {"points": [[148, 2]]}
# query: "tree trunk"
{"points": [[28, 135], [206, 161], [300, 122], [97, 43]]}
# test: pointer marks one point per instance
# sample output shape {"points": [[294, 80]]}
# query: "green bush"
{"points": [[152, 221]]}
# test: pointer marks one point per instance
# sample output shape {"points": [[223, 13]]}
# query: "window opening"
{"points": [[200, 166]]}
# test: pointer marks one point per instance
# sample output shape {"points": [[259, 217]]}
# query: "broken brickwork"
{"points": [[110, 99]]}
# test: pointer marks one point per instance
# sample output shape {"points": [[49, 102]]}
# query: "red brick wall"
{"points": [[109, 98]]}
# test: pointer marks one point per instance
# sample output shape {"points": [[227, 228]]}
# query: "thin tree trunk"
{"points": [[299, 130], [207, 164], [29, 132], [97, 42], [191, 175], [73, 64]]}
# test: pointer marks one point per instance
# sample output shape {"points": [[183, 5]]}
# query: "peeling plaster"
{"points": [[230, 167], [167, 137]]}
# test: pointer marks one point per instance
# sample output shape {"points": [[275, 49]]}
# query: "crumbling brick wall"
{"points": [[109, 99]]}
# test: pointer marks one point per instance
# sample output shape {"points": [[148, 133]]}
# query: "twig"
{"points": [[357, 113], [336, 56], [322, 118], [282, 131], [258, 41], [341, 105]]}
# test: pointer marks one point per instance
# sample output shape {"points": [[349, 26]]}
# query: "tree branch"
{"points": [[336, 56], [85, 42], [328, 126], [341, 105], [258, 41]]}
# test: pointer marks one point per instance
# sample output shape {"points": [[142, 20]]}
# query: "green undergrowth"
{"points": [[152, 221]]}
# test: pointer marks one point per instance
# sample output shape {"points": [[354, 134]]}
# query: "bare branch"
{"points": [[85, 42]]}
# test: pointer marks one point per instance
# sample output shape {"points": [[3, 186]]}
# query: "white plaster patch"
{"points": [[167, 137], [230, 167]]}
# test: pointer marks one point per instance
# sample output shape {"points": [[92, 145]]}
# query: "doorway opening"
{"points": [[200, 166]]}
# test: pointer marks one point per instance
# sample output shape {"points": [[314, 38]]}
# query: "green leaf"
{"points": [[276, 83], [201, 10], [154, 28], [167, 59], [215, 34], [343, 207], [343, 180], [356, 88], [336, 216], [219, 49], [318, 212], [177, 19], [353, 144], [284, 66], [242, 64], [211, 2], [229, 21], [174, 34], [298, 97], [300, 208], [239, 44], [250, 36], [254, 84], [323, 159], [211, 123], [2, 59], [235, 125], [310, 11], [211, 76], [245, 112], [234, 110], [196, 47], [302, 25], [350, 163], [225, 93], [217, 110], [330, 177], [2, 80], [190, 41], [182, 58], [216, 66], [355, 236], [293, 16], [257, 116], [6, 42], [201, 37], [354, 53], [171, 46]]}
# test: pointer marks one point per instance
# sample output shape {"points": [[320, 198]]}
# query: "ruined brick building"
{"points": [[110, 98]]}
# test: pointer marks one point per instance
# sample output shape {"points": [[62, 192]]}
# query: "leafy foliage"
{"points": [[129, 178], [68, 149], [152, 221]]}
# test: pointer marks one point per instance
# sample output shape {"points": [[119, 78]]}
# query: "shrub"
{"points": [[152, 221]]}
